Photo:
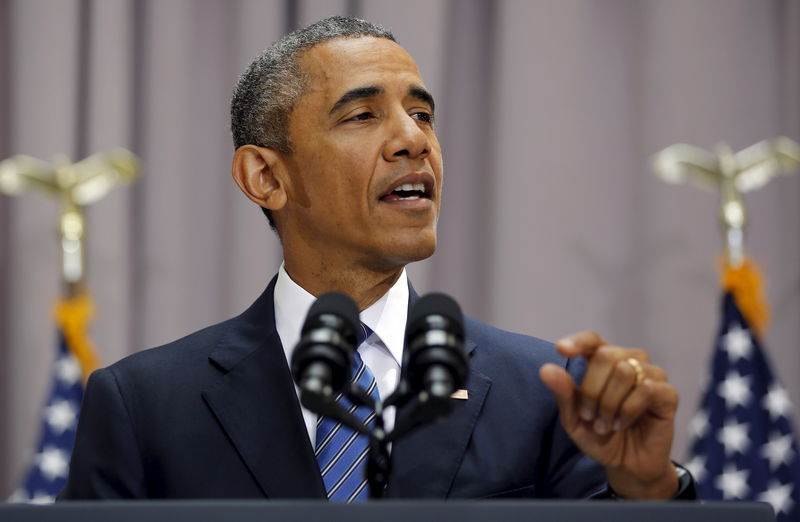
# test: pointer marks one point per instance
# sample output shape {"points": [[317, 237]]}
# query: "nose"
{"points": [[407, 138]]}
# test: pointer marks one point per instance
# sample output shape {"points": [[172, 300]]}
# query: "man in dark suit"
{"points": [[335, 140]]}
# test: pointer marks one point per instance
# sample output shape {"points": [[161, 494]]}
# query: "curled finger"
{"points": [[655, 397], [598, 372], [622, 381]]}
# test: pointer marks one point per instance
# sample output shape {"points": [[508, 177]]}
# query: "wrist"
{"points": [[627, 486]]}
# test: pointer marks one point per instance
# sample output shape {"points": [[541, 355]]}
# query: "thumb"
{"points": [[563, 387]]}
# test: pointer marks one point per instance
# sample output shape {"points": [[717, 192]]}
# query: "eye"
{"points": [[362, 116], [423, 116]]}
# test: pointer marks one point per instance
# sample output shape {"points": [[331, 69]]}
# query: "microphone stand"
{"points": [[434, 363], [418, 408]]}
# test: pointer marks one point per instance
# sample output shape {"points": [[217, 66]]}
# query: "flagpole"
{"points": [[74, 186], [742, 442], [732, 174], [733, 215]]}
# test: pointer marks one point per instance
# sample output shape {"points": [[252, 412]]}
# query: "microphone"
{"points": [[321, 360], [434, 358]]}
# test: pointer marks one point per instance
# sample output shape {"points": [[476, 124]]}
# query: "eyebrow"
{"points": [[358, 93], [423, 95], [371, 91]]}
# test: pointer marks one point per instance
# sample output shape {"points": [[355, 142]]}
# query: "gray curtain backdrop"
{"points": [[552, 221]]}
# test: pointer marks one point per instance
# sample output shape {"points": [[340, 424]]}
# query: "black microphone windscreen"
{"points": [[435, 304], [337, 304], [321, 359]]}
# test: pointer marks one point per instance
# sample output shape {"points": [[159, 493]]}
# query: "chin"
{"points": [[404, 250]]}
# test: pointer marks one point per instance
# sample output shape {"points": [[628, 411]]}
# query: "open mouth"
{"points": [[407, 192], [411, 188]]}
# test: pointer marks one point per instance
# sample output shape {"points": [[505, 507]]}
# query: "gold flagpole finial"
{"points": [[731, 174], [75, 186]]}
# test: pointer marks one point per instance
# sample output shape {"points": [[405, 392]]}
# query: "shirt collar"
{"points": [[386, 317]]}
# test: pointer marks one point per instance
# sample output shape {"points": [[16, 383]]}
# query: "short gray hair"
{"points": [[267, 91]]}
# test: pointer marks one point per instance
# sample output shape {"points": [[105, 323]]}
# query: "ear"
{"points": [[259, 173]]}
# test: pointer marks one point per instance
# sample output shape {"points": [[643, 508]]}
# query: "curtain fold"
{"points": [[548, 113]]}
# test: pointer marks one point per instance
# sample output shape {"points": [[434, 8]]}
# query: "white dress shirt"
{"points": [[382, 352]]}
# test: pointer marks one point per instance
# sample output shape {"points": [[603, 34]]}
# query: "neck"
{"points": [[365, 286]]}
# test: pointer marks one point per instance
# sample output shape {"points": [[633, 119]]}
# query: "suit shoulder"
{"points": [[185, 353], [502, 344]]}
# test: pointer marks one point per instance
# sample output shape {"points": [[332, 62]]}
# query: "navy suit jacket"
{"points": [[215, 415]]}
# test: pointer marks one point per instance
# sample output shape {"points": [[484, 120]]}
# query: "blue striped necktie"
{"points": [[341, 452]]}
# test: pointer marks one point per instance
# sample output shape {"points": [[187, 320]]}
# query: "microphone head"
{"points": [[431, 305], [334, 310], [435, 345], [327, 342]]}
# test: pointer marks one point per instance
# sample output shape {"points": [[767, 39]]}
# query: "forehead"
{"points": [[338, 65]]}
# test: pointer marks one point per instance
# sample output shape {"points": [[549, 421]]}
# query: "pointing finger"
{"points": [[563, 387], [583, 343]]}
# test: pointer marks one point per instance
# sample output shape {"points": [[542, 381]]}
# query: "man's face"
{"points": [[362, 130]]}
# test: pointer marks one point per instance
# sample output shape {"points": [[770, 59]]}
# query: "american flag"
{"points": [[743, 446], [48, 471]]}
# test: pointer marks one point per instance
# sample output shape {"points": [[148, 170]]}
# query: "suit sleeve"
{"points": [[106, 461], [571, 474], [567, 472]]}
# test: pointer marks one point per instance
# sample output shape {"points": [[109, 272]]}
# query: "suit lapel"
{"points": [[256, 404], [425, 463]]}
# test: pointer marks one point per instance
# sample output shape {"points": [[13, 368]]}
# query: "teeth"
{"points": [[410, 187]]}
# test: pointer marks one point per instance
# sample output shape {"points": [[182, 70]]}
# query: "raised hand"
{"points": [[622, 415]]}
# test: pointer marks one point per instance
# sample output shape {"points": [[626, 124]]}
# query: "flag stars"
{"points": [[735, 389], [733, 482], [734, 437], [68, 372], [777, 401], [697, 467], [699, 425], [778, 450], [61, 416], [743, 447], [42, 498], [53, 463], [737, 343], [38, 497], [779, 495]]}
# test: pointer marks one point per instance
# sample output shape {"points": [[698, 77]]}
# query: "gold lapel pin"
{"points": [[460, 394]]}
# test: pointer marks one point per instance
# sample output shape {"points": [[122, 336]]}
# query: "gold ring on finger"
{"points": [[637, 366]]}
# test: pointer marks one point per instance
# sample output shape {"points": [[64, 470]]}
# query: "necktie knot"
{"points": [[364, 331]]}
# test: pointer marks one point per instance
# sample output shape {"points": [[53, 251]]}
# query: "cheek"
{"points": [[436, 154], [311, 177], [337, 174], [438, 171], [298, 192], [351, 170], [357, 152]]}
